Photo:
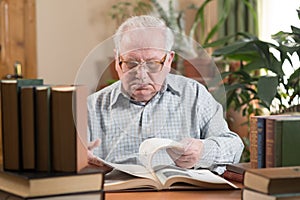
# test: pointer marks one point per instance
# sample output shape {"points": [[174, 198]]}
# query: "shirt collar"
{"points": [[170, 85]]}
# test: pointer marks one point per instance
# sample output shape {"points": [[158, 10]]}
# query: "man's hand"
{"points": [[189, 155], [91, 158]]}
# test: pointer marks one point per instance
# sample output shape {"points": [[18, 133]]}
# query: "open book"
{"points": [[160, 177]]}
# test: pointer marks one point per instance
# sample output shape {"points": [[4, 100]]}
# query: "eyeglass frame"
{"points": [[161, 62]]}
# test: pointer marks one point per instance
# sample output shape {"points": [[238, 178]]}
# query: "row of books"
{"points": [[275, 183], [43, 126], [44, 143], [275, 140]]}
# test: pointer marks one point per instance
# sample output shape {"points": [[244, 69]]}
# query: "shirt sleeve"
{"points": [[220, 145]]}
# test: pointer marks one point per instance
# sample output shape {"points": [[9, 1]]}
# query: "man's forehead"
{"points": [[142, 39], [141, 52]]}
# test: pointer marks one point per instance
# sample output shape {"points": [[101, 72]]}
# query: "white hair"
{"points": [[141, 22]]}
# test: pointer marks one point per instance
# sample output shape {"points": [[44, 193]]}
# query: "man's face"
{"points": [[142, 64], [143, 72]]}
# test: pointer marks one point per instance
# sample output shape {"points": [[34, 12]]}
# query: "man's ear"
{"points": [[171, 57], [117, 66]]}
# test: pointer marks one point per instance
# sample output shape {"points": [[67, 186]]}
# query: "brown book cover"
{"points": [[38, 184], [27, 127], [233, 176], [253, 142], [93, 195], [254, 195], [69, 128], [42, 125], [10, 107], [275, 180], [282, 140], [239, 168]]}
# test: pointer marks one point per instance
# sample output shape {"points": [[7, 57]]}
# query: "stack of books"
{"points": [[274, 140], [235, 172], [85, 184], [44, 142], [278, 183]]}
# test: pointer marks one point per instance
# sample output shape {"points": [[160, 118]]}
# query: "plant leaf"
{"points": [[267, 88]]}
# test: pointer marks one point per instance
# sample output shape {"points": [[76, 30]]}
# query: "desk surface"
{"points": [[173, 195]]}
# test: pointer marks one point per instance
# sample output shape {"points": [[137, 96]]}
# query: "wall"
{"points": [[66, 32]]}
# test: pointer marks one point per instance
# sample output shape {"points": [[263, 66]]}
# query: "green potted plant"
{"points": [[255, 80], [260, 77]]}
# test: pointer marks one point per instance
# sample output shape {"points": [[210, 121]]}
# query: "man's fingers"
{"points": [[95, 161], [94, 144]]}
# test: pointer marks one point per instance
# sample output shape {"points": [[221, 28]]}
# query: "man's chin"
{"points": [[142, 95]]}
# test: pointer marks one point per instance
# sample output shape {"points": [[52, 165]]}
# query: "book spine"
{"points": [[261, 142], [11, 121], [270, 138], [253, 142], [27, 127], [43, 128], [69, 128], [278, 143], [290, 143], [63, 132], [10, 126], [232, 176]]}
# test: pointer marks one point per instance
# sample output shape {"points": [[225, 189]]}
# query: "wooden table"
{"points": [[173, 195]]}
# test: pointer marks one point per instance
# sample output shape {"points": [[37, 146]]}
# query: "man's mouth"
{"points": [[142, 87]]}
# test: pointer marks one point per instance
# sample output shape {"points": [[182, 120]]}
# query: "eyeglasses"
{"points": [[152, 66]]}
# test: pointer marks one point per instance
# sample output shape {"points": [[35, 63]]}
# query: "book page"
{"points": [[202, 177], [132, 169], [150, 146], [118, 180]]}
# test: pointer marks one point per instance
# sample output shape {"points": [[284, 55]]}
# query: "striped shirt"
{"points": [[182, 109]]}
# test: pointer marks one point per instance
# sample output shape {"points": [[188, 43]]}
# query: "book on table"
{"points": [[257, 141], [43, 127], [40, 184], [98, 195], [248, 194], [282, 140], [68, 128], [235, 172], [11, 122], [160, 177], [275, 180], [27, 128]]}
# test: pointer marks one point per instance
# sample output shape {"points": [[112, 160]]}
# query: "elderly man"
{"points": [[150, 102]]}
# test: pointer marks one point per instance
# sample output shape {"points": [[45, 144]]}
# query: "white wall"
{"points": [[277, 15], [66, 32]]}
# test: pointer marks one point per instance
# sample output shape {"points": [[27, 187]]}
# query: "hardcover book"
{"points": [[254, 195], [69, 128], [43, 128], [38, 184], [160, 177], [98, 195], [276, 180], [11, 124], [257, 141], [282, 141], [27, 127], [235, 172]]}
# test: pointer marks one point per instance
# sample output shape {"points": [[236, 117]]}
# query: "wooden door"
{"points": [[18, 37], [17, 41]]}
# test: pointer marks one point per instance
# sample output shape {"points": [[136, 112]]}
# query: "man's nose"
{"points": [[141, 72]]}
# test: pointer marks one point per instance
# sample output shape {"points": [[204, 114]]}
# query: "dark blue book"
{"points": [[261, 142]]}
